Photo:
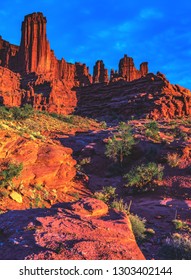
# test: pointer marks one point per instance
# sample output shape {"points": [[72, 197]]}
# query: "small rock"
{"points": [[16, 196]]}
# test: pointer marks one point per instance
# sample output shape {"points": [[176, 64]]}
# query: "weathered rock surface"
{"points": [[100, 74], [58, 86], [84, 230], [150, 96], [45, 164], [34, 52], [128, 71], [46, 82], [8, 54], [10, 92]]}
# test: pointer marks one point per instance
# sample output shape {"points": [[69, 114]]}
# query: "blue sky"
{"points": [[87, 30]]}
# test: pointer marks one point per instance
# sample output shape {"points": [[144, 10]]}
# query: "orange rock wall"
{"points": [[58, 86], [8, 54], [34, 52], [10, 92], [100, 74], [128, 71]]}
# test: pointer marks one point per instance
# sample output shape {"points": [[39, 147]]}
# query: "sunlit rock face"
{"points": [[30, 73]]}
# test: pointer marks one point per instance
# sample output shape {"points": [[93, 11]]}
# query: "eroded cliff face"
{"points": [[100, 74], [128, 71], [8, 54], [46, 82], [151, 96], [10, 91], [58, 86], [34, 53]]}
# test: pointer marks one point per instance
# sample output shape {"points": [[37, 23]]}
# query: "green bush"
{"points": [[22, 113], [120, 205], [152, 130], [9, 172], [107, 194], [4, 112], [85, 161], [120, 145], [179, 224], [144, 176], [173, 159], [177, 247], [138, 224], [103, 125], [68, 119], [178, 133], [138, 227]]}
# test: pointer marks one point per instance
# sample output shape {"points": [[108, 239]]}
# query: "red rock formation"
{"points": [[51, 84], [144, 68], [84, 230], [8, 54], [45, 163], [100, 74], [10, 92], [34, 53], [128, 71], [150, 96], [83, 76]]}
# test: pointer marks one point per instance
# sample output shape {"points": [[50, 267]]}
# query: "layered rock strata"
{"points": [[40, 79], [150, 96]]}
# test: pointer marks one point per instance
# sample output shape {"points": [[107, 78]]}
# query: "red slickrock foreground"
{"points": [[83, 230]]}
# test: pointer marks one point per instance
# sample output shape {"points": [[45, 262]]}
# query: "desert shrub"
{"points": [[82, 163], [179, 224], [121, 144], [138, 227], [11, 171], [107, 194], [144, 176], [38, 187], [22, 113], [37, 135], [68, 119], [178, 133], [4, 112], [152, 130], [177, 247], [119, 205], [103, 125], [173, 159], [138, 224], [85, 161]]}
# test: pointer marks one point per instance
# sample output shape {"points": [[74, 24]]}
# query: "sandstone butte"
{"points": [[30, 73]]}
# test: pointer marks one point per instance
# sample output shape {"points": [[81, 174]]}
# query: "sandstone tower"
{"points": [[34, 54]]}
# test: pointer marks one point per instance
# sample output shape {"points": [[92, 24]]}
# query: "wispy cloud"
{"points": [[127, 26], [120, 46], [150, 13]]}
